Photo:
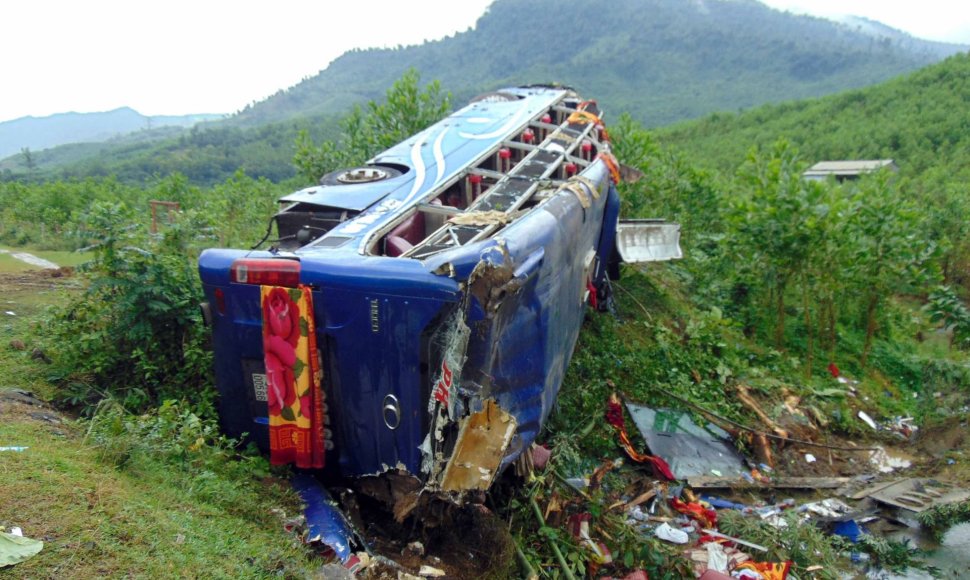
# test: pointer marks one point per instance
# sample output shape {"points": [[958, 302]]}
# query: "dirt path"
{"points": [[31, 259]]}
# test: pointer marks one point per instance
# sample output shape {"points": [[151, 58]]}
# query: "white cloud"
{"points": [[945, 20]]}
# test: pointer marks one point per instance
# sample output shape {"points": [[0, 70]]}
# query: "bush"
{"points": [[136, 333]]}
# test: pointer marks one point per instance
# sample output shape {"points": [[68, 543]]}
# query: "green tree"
{"points": [[367, 131], [28, 158], [887, 250], [776, 223]]}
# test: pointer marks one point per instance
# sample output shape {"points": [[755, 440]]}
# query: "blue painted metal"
{"points": [[376, 315], [325, 522]]}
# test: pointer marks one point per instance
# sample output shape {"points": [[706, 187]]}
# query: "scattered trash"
{"points": [[848, 529], [868, 420], [695, 511], [15, 548], [809, 458], [827, 508], [16, 449], [579, 527], [716, 558], [887, 463], [17, 531], [10, 313], [649, 494], [416, 548], [714, 575], [902, 426], [430, 572], [665, 532], [578, 483], [763, 570], [719, 503], [738, 541]]}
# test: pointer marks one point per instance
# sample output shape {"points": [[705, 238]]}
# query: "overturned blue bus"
{"points": [[415, 317]]}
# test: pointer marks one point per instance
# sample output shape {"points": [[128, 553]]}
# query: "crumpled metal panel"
{"points": [[325, 521], [689, 449]]}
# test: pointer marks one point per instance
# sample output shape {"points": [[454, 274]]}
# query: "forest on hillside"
{"points": [[661, 61]]}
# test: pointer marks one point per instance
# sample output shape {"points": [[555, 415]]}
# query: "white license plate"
{"points": [[259, 386]]}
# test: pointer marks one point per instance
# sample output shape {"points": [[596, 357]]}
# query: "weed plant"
{"points": [[938, 519]]}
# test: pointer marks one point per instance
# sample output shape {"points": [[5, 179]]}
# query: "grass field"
{"points": [[62, 258], [143, 517]]}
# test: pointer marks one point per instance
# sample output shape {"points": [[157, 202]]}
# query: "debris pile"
{"points": [[683, 500]]}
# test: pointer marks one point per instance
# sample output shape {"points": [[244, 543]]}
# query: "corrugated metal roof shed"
{"points": [[847, 169]]}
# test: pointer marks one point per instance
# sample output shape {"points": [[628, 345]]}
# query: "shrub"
{"points": [[136, 333]]}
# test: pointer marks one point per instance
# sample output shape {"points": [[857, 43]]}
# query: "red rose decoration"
{"points": [[280, 382], [283, 315]]}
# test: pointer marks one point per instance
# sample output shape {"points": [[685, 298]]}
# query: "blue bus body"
{"points": [[450, 278]]}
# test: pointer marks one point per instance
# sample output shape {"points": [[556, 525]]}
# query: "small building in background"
{"points": [[846, 170]]}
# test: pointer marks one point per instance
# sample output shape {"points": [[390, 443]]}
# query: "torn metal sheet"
{"points": [[689, 450], [325, 522], [482, 441], [916, 494], [648, 240]]}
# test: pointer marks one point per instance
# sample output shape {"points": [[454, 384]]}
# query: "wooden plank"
{"points": [[917, 494], [708, 482], [872, 489]]}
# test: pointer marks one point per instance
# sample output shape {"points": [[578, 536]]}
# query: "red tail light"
{"points": [[266, 272]]}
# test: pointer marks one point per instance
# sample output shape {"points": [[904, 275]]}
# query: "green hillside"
{"points": [[206, 154], [660, 60], [919, 120]]}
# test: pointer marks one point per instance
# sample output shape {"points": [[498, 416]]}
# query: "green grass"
{"points": [[100, 521], [9, 264], [148, 517]]}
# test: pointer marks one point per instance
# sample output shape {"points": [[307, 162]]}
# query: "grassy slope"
{"points": [[145, 520]]}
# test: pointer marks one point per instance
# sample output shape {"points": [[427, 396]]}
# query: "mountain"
{"points": [[36, 133], [660, 60]]}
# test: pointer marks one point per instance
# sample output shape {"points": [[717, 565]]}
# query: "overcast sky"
{"points": [[206, 56]]}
